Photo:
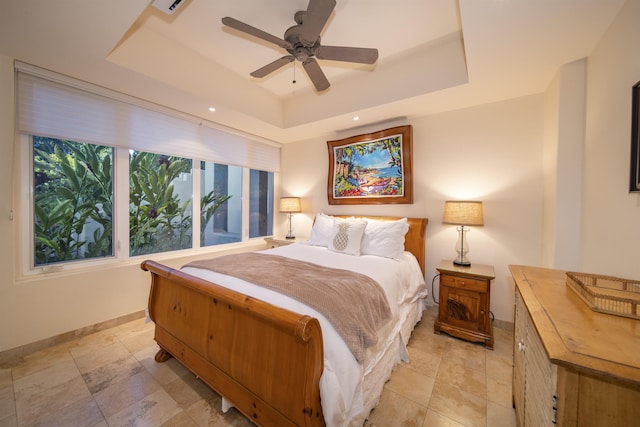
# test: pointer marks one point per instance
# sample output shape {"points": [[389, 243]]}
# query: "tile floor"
{"points": [[111, 379]]}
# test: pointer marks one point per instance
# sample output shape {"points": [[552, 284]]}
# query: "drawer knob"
{"points": [[521, 346]]}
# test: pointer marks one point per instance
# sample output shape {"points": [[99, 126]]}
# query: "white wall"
{"points": [[491, 153], [611, 215], [562, 165]]}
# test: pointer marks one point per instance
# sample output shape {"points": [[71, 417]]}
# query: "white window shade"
{"points": [[57, 106]]}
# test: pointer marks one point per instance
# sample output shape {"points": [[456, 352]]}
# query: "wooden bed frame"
{"points": [[266, 360]]}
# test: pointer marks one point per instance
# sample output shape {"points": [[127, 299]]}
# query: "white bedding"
{"points": [[341, 384]]}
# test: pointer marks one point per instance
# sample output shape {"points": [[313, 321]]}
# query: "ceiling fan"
{"points": [[302, 42]]}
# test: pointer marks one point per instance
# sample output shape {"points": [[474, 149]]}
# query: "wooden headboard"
{"points": [[414, 241]]}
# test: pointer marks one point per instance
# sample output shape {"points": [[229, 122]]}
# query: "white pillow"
{"points": [[347, 235], [384, 238], [321, 231]]}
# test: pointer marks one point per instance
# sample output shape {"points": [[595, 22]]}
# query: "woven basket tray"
{"points": [[607, 294]]}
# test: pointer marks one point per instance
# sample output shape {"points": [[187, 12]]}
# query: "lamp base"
{"points": [[290, 235], [462, 248]]}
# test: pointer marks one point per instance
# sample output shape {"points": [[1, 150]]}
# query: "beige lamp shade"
{"points": [[462, 212], [290, 204]]}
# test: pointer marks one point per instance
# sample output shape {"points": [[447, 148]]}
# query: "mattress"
{"points": [[350, 390]]}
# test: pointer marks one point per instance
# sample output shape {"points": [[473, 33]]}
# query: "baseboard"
{"points": [[11, 357], [503, 324]]}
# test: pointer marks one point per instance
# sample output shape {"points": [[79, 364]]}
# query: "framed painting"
{"points": [[374, 168], [634, 176]]}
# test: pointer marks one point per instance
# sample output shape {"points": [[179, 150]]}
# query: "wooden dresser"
{"points": [[572, 366]]}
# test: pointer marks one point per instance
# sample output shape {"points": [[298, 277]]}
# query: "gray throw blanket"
{"points": [[355, 304]]}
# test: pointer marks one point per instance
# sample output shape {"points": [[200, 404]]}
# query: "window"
{"points": [[220, 204], [72, 200], [144, 177], [260, 203], [160, 208]]}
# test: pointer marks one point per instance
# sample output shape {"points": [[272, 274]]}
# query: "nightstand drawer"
{"points": [[464, 283]]}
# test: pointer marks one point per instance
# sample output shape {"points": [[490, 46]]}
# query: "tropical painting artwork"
{"points": [[371, 168]]}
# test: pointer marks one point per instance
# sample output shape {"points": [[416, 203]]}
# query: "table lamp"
{"points": [[462, 213], [290, 205]]}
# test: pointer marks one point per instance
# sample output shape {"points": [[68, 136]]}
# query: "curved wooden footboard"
{"points": [[264, 359]]}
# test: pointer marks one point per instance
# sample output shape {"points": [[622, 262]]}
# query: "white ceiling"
{"points": [[434, 55]]}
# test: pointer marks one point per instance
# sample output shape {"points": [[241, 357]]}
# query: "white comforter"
{"points": [[341, 381]]}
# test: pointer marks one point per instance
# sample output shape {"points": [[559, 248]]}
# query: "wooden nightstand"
{"points": [[464, 303], [274, 242]]}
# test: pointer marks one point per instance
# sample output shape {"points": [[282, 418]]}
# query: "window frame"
{"points": [[53, 105], [26, 230], [55, 189]]}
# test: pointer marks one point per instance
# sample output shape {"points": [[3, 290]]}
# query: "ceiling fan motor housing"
{"points": [[299, 49]]}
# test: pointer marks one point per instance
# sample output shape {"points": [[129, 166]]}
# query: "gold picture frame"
{"points": [[372, 168]]}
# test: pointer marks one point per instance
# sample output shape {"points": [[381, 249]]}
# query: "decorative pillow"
{"points": [[384, 238], [347, 235], [321, 232]]}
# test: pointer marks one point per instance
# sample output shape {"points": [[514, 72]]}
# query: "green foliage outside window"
{"points": [[73, 200], [158, 220]]}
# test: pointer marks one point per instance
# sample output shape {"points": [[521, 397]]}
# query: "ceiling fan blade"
{"points": [[315, 18], [270, 68], [252, 31], [361, 55], [316, 75]]}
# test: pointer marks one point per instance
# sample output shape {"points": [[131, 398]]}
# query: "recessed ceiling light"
{"points": [[212, 109], [356, 118]]}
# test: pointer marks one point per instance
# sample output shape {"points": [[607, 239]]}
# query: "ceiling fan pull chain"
{"points": [[294, 72]]}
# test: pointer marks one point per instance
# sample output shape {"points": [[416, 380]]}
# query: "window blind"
{"points": [[57, 106]]}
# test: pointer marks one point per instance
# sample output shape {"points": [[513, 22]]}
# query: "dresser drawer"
{"points": [[464, 283]]}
